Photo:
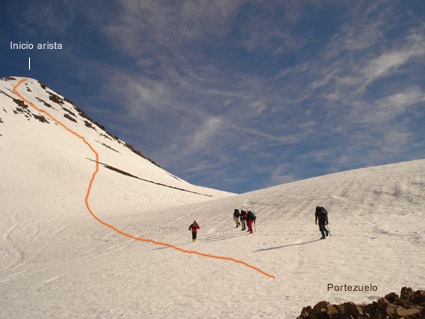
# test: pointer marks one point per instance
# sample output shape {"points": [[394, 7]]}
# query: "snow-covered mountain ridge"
{"points": [[56, 261], [30, 138]]}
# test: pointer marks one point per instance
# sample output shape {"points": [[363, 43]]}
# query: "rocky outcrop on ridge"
{"points": [[409, 305]]}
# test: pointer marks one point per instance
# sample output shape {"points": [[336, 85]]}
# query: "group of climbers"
{"points": [[246, 219]]}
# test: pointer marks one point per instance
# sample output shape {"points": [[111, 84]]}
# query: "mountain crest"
{"points": [[51, 100]]}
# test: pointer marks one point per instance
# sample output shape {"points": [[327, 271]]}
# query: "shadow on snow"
{"points": [[290, 245]]}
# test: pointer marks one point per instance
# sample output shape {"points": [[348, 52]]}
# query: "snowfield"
{"points": [[57, 261]]}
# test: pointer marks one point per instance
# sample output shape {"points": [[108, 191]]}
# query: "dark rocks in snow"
{"points": [[41, 118], [89, 125], [55, 98], [69, 117], [409, 305], [20, 103], [44, 102], [42, 84]]}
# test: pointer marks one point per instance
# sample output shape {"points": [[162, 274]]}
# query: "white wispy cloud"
{"points": [[166, 27], [390, 61], [388, 108], [48, 17]]}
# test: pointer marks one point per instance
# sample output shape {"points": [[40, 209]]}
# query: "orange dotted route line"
{"points": [[109, 225]]}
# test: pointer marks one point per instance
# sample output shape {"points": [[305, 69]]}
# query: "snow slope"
{"points": [[57, 261], [30, 139]]}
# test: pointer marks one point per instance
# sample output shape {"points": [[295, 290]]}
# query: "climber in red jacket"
{"points": [[194, 228]]}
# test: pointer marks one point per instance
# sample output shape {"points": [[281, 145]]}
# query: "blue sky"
{"points": [[236, 95]]}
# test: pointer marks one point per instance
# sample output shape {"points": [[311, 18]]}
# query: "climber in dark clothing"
{"points": [[322, 219], [243, 219], [236, 215]]}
